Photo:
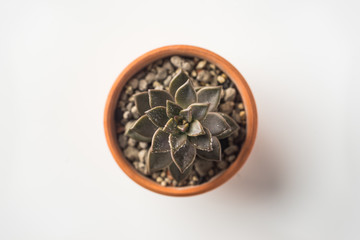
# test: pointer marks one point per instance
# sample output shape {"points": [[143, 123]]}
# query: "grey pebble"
{"points": [[129, 90], [142, 155], [131, 142], [123, 97], [122, 140], [230, 94], [129, 106], [227, 107], [176, 61], [155, 175], [158, 85], [159, 62], [128, 125], [122, 105], [231, 150], [167, 81], [212, 66], [201, 64], [150, 77], [203, 76], [131, 153], [143, 145], [135, 112], [186, 66], [193, 73], [136, 165], [220, 79], [236, 116], [167, 65], [202, 167], [242, 115], [134, 83], [140, 75], [143, 85], [126, 115], [240, 106], [161, 73], [222, 165], [143, 169], [230, 158]]}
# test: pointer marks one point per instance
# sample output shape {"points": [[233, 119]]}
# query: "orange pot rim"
{"points": [[189, 51]]}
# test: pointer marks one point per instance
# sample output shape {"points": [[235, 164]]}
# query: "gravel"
{"points": [[220, 79], [203, 76], [143, 145], [161, 74], [131, 153], [131, 142], [150, 77], [202, 167], [226, 107], [201, 64], [222, 165], [143, 85], [135, 112], [231, 149], [230, 94], [176, 61], [142, 155], [127, 115], [122, 140], [167, 65], [134, 83]]}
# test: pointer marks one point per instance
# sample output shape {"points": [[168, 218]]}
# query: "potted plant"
{"points": [[180, 120]]}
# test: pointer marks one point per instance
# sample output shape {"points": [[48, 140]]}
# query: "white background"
{"points": [[58, 60]]}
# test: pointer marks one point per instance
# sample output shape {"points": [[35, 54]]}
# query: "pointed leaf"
{"points": [[210, 95], [177, 175], [215, 154], [137, 137], [142, 102], [202, 142], [184, 156], [170, 127], [172, 109], [160, 141], [157, 115], [142, 130], [215, 123], [179, 79], [177, 140], [185, 95], [186, 114], [233, 126], [195, 129], [199, 110], [158, 97], [159, 160]]}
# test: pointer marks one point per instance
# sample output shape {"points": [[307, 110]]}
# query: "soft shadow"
{"points": [[262, 178]]}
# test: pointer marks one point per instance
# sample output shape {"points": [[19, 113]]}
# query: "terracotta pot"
{"points": [[140, 63]]}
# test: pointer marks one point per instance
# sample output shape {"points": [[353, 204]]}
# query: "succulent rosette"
{"points": [[182, 125]]}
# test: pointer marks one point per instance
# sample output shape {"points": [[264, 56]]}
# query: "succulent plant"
{"points": [[182, 125]]}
